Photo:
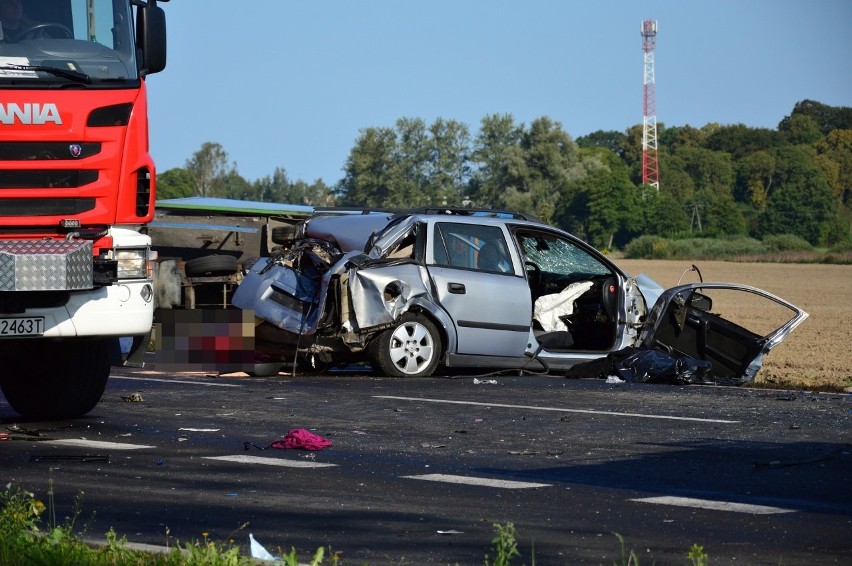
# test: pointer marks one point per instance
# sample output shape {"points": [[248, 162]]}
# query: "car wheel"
{"points": [[411, 348]]}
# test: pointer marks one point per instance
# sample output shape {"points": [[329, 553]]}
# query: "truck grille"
{"points": [[39, 151], [47, 178], [46, 207]]}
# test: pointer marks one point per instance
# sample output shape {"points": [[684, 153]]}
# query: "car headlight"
{"points": [[132, 263]]}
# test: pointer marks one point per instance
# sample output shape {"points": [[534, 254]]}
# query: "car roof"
{"points": [[352, 231]]}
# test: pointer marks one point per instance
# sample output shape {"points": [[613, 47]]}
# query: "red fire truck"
{"points": [[76, 188]]}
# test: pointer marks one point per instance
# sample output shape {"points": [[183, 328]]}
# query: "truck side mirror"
{"points": [[151, 39]]}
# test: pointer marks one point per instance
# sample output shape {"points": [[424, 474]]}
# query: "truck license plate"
{"points": [[22, 326]]}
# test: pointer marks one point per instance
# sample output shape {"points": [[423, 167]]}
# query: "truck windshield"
{"points": [[61, 41]]}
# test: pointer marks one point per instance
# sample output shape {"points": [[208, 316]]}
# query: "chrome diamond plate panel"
{"points": [[45, 265]]}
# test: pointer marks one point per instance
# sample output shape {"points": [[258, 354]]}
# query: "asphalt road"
{"points": [[420, 471]]}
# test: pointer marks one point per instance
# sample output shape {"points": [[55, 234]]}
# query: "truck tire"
{"points": [[215, 264], [284, 234], [59, 380], [411, 348]]}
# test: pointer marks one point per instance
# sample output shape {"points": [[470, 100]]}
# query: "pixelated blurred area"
{"points": [[205, 340]]}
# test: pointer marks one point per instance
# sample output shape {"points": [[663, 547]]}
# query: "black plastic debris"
{"points": [[637, 365], [71, 458]]}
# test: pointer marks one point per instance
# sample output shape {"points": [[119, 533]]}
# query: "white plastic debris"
{"points": [[257, 550], [484, 381], [614, 379]]}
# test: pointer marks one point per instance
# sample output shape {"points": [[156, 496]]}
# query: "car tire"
{"points": [[211, 265], [411, 348]]}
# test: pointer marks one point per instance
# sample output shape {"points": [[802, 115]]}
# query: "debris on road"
{"points": [[71, 458], [258, 552], [296, 439]]}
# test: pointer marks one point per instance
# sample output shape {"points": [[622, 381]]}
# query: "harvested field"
{"points": [[816, 355]]}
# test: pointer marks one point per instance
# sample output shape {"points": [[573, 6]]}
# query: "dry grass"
{"points": [[817, 354]]}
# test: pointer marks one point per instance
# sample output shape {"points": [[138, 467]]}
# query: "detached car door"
{"points": [[731, 326], [481, 286]]}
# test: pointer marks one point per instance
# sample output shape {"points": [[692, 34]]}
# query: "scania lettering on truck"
{"points": [[76, 190]]}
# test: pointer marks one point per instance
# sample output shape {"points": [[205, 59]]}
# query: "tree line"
{"points": [[715, 181]]}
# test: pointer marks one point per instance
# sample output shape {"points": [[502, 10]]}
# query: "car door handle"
{"points": [[456, 288]]}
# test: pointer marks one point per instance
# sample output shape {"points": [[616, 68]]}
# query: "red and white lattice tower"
{"points": [[650, 164]]}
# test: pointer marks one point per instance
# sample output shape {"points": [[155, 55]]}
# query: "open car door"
{"points": [[731, 326]]}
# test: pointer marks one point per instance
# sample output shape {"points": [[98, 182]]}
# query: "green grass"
{"points": [[27, 538]]}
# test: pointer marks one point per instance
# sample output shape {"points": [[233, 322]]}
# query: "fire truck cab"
{"points": [[77, 187]]}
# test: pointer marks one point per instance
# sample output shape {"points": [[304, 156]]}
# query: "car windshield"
{"points": [[57, 41]]}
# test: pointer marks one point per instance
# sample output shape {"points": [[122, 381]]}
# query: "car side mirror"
{"points": [[701, 302]]}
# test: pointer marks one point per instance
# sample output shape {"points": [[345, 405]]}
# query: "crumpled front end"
{"points": [[324, 300], [376, 294], [288, 289]]}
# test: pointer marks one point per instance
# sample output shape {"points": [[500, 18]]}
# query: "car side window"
{"points": [[470, 246], [559, 257]]}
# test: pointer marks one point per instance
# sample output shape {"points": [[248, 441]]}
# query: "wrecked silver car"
{"points": [[461, 288]]}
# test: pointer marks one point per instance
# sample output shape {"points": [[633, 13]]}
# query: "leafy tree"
{"points": [[408, 167], [800, 129], [448, 169], [828, 118], [175, 183], [632, 152], [756, 176], [611, 140], [660, 214], [371, 171], [541, 168], [596, 207], [411, 160], [316, 194], [677, 181], [837, 147], [233, 185], [739, 140], [711, 171], [274, 188], [208, 169], [493, 146], [803, 203], [723, 217], [673, 139]]}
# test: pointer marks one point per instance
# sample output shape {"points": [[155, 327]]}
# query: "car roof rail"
{"points": [[463, 211]]}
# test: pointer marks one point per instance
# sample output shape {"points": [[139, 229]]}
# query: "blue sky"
{"points": [[285, 83]]}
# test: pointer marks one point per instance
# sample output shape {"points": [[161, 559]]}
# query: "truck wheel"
{"points": [[57, 381], [411, 348], [211, 265]]}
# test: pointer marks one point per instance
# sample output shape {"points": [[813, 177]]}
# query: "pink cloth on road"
{"points": [[301, 439]]}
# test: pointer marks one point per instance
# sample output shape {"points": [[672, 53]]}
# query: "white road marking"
{"points": [[714, 505], [487, 482], [556, 409], [83, 443], [244, 459], [185, 382]]}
